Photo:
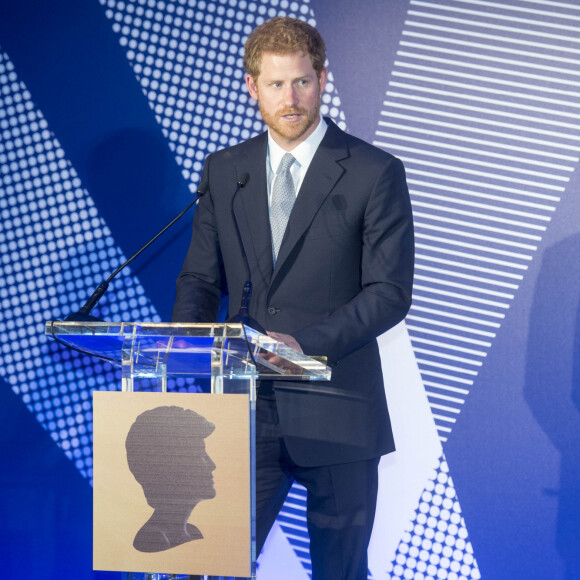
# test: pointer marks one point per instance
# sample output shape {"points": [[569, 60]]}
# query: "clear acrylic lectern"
{"points": [[233, 356]]}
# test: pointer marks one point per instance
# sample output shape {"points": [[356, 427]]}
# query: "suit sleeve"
{"points": [[386, 273], [200, 282]]}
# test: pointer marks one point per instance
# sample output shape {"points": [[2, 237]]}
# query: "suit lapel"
{"points": [[320, 179], [251, 207]]}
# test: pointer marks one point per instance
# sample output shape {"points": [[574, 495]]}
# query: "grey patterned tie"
{"points": [[283, 198]]}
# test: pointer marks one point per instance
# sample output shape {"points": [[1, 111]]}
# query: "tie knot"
{"points": [[286, 163]]}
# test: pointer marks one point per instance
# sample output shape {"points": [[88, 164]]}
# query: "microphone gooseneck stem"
{"points": [[241, 183], [153, 239], [246, 295], [94, 299], [85, 311]]}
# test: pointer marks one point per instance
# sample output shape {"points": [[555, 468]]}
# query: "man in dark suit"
{"points": [[329, 239]]}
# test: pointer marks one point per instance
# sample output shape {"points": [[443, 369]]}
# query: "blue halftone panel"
{"points": [[71, 63], [436, 544], [55, 250]]}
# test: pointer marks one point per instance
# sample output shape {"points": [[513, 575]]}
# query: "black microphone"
{"points": [[84, 314], [243, 314]]}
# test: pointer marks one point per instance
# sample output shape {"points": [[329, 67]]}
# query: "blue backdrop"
{"points": [[107, 111]]}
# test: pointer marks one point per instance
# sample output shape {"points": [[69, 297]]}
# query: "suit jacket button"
{"points": [[272, 310]]}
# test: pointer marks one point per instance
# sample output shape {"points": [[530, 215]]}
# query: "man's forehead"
{"points": [[281, 61]]}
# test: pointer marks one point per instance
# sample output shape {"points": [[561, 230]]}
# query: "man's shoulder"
{"points": [[357, 147], [242, 149]]}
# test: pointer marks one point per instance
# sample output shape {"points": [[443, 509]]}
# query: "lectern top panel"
{"points": [[188, 348]]}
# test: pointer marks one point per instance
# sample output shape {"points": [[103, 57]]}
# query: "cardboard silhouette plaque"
{"points": [[172, 483]]}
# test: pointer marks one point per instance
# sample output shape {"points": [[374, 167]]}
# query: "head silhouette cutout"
{"points": [[166, 455]]}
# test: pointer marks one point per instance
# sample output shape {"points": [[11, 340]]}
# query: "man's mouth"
{"points": [[292, 116]]}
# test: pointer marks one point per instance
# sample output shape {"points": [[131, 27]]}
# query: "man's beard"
{"points": [[291, 132]]}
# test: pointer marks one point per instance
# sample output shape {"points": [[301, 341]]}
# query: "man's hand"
{"points": [[286, 339]]}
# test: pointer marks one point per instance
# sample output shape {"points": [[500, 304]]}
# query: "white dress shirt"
{"points": [[303, 154]]}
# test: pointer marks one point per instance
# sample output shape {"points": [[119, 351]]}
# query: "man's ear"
{"points": [[323, 77], [252, 87]]}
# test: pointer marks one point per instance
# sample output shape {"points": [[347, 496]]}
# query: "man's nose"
{"points": [[290, 96]]}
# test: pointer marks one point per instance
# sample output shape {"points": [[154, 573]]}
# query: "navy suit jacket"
{"points": [[343, 276]]}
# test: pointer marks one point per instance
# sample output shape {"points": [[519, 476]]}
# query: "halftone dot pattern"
{"points": [[188, 57], [436, 546], [54, 251]]}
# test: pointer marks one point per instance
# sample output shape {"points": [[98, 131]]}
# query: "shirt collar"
{"points": [[303, 153]]}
